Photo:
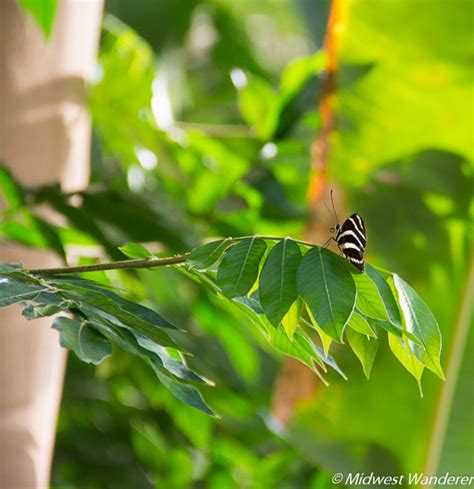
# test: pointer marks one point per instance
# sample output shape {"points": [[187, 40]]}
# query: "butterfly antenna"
{"points": [[333, 208]]}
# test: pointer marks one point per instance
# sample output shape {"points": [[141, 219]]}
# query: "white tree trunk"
{"points": [[44, 138]]}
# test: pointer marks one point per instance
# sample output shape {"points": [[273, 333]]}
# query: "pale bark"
{"points": [[44, 138]]}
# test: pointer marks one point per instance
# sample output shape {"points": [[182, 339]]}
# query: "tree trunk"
{"points": [[44, 138]]}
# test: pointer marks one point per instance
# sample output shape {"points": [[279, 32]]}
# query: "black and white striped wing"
{"points": [[352, 240]]}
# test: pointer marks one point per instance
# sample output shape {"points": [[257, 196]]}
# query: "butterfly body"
{"points": [[351, 239]]}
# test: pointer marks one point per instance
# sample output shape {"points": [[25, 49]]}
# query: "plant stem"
{"points": [[142, 263], [115, 265], [453, 367]]}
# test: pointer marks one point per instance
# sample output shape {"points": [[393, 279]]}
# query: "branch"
{"points": [[152, 262], [115, 265]]}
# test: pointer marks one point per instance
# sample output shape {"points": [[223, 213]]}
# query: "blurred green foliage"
{"points": [[203, 114]]}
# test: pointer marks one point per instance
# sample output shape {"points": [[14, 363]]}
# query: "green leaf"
{"points": [[258, 105], [326, 340], [402, 351], [184, 392], [419, 320], [238, 270], [369, 300], [98, 303], [206, 255], [326, 285], [364, 347], [386, 294], [292, 317], [277, 284], [9, 188], [360, 324], [172, 365], [13, 291], [88, 344], [135, 250], [44, 12]]}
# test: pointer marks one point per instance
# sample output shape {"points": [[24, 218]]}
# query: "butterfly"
{"points": [[351, 238]]}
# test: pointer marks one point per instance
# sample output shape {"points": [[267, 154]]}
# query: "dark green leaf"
{"points": [[174, 366], [184, 392], [13, 291], [326, 285], [277, 284], [98, 303], [88, 344], [239, 268]]}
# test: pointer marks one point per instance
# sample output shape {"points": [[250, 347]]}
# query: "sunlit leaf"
{"points": [[239, 268], [369, 300], [291, 319], [277, 284], [206, 255], [419, 320], [135, 250], [364, 347], [402, 351], [326, 285], [360, 324]]}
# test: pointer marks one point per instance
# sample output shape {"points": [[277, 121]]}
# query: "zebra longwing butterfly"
{"points": [[351, 238]]}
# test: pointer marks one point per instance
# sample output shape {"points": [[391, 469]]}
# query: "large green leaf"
{"points": [[386, 294], [402, 351], [326, 285], [86, 342], [277, 283], [364, 347], [239, 268], [369, 300], [419, 320]]}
